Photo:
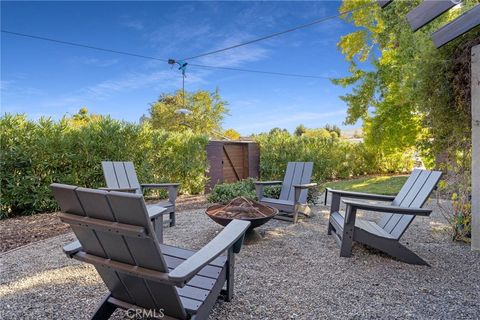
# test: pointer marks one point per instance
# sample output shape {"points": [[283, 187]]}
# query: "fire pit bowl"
{"points": [[243, 209]]}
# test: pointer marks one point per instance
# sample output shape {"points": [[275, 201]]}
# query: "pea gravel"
{"points": [[293, 272]]}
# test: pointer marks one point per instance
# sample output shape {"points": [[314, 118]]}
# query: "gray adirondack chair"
{"points": [[293, 196], [115, 235], [398, 215], [121, 176]]}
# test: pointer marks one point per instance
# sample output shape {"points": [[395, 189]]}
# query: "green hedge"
{"points": [[37, 153], [333, 158]]}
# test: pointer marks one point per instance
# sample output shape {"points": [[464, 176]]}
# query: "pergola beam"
{"points": [[427, 11], [384, 3], [475, 147], [457, 27]]}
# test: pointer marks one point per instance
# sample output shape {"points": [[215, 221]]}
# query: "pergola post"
{"points": [[476, 147]]}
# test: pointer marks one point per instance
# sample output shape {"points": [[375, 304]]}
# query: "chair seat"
{"points": [[197, 289], [366, 225], [277, 201], [159, 207]]}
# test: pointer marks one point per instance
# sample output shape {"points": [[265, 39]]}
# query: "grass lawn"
{"points": [[389, 185]]}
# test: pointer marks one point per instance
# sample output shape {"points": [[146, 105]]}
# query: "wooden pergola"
{"points": [[422, 15]]}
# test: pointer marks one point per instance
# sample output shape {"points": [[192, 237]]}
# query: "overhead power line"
{"points": [[260, 71], [81, 45], [276, 34], [158, 59]]}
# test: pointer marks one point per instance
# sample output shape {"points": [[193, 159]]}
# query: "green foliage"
{"points": [[333, 129], [223, 193], [410, 87], [333, 158], [300, 130], [328, 131], [415, 96], [35, 154], [318, 133], [231, 134], [208, 111]]}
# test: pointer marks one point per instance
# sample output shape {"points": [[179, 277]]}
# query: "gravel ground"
{"points": [[294, 272], [19, 231]]}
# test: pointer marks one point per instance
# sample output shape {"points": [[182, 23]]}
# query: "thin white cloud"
{"points": [[235, 57], [159, 81], [94, 61], [137, 25], [131, 23]]}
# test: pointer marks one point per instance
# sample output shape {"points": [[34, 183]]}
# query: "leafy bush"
{"points": [[223, 193], [35, 154], [333, 158]]}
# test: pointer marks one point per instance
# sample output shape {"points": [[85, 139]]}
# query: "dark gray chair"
{"points": [[115, 234], [121, 176], [293, 196], [399, 214]]}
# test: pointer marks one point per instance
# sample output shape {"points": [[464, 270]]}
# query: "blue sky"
{"points": [[46, 79]]}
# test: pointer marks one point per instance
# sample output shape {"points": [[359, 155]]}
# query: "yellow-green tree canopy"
{"points": [[409, 97], [207, 112], [231, 134]]}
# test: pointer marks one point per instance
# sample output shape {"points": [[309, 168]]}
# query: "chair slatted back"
{"points": [[120, 174], [126, 209], [413, 194], [297, 173]]}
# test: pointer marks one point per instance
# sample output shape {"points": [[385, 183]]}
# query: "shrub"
{"points": [[35, 154], [223, 193], [333, 158]]}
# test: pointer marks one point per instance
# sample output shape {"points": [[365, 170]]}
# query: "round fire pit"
{"points": [[243, 209]]}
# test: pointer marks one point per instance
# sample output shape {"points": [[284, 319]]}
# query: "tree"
{"points": [[83, 117], [333, 128], [231, 134], [300, 130], [207, 112], [411, 94], [407, 99], [318, 133], [278, 130]]}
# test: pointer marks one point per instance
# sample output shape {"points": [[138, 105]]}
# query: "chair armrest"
{"points": [[171, 187], [231, 236], [305, 186], [387, 208], [268, 183], [159, 185], [361, 195], [155, 211], [132, 190], [72, 248]]}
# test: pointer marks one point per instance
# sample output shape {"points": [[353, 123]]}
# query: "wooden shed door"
{"points": [[235, 162]]}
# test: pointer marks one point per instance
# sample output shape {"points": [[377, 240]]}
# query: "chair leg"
{"points": [[295, 214], [348, 230], [158, 227], [329, 230], [230, 275], [334, 207], [346, 247], [104, 310], [404, 254], [172, 219]]}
